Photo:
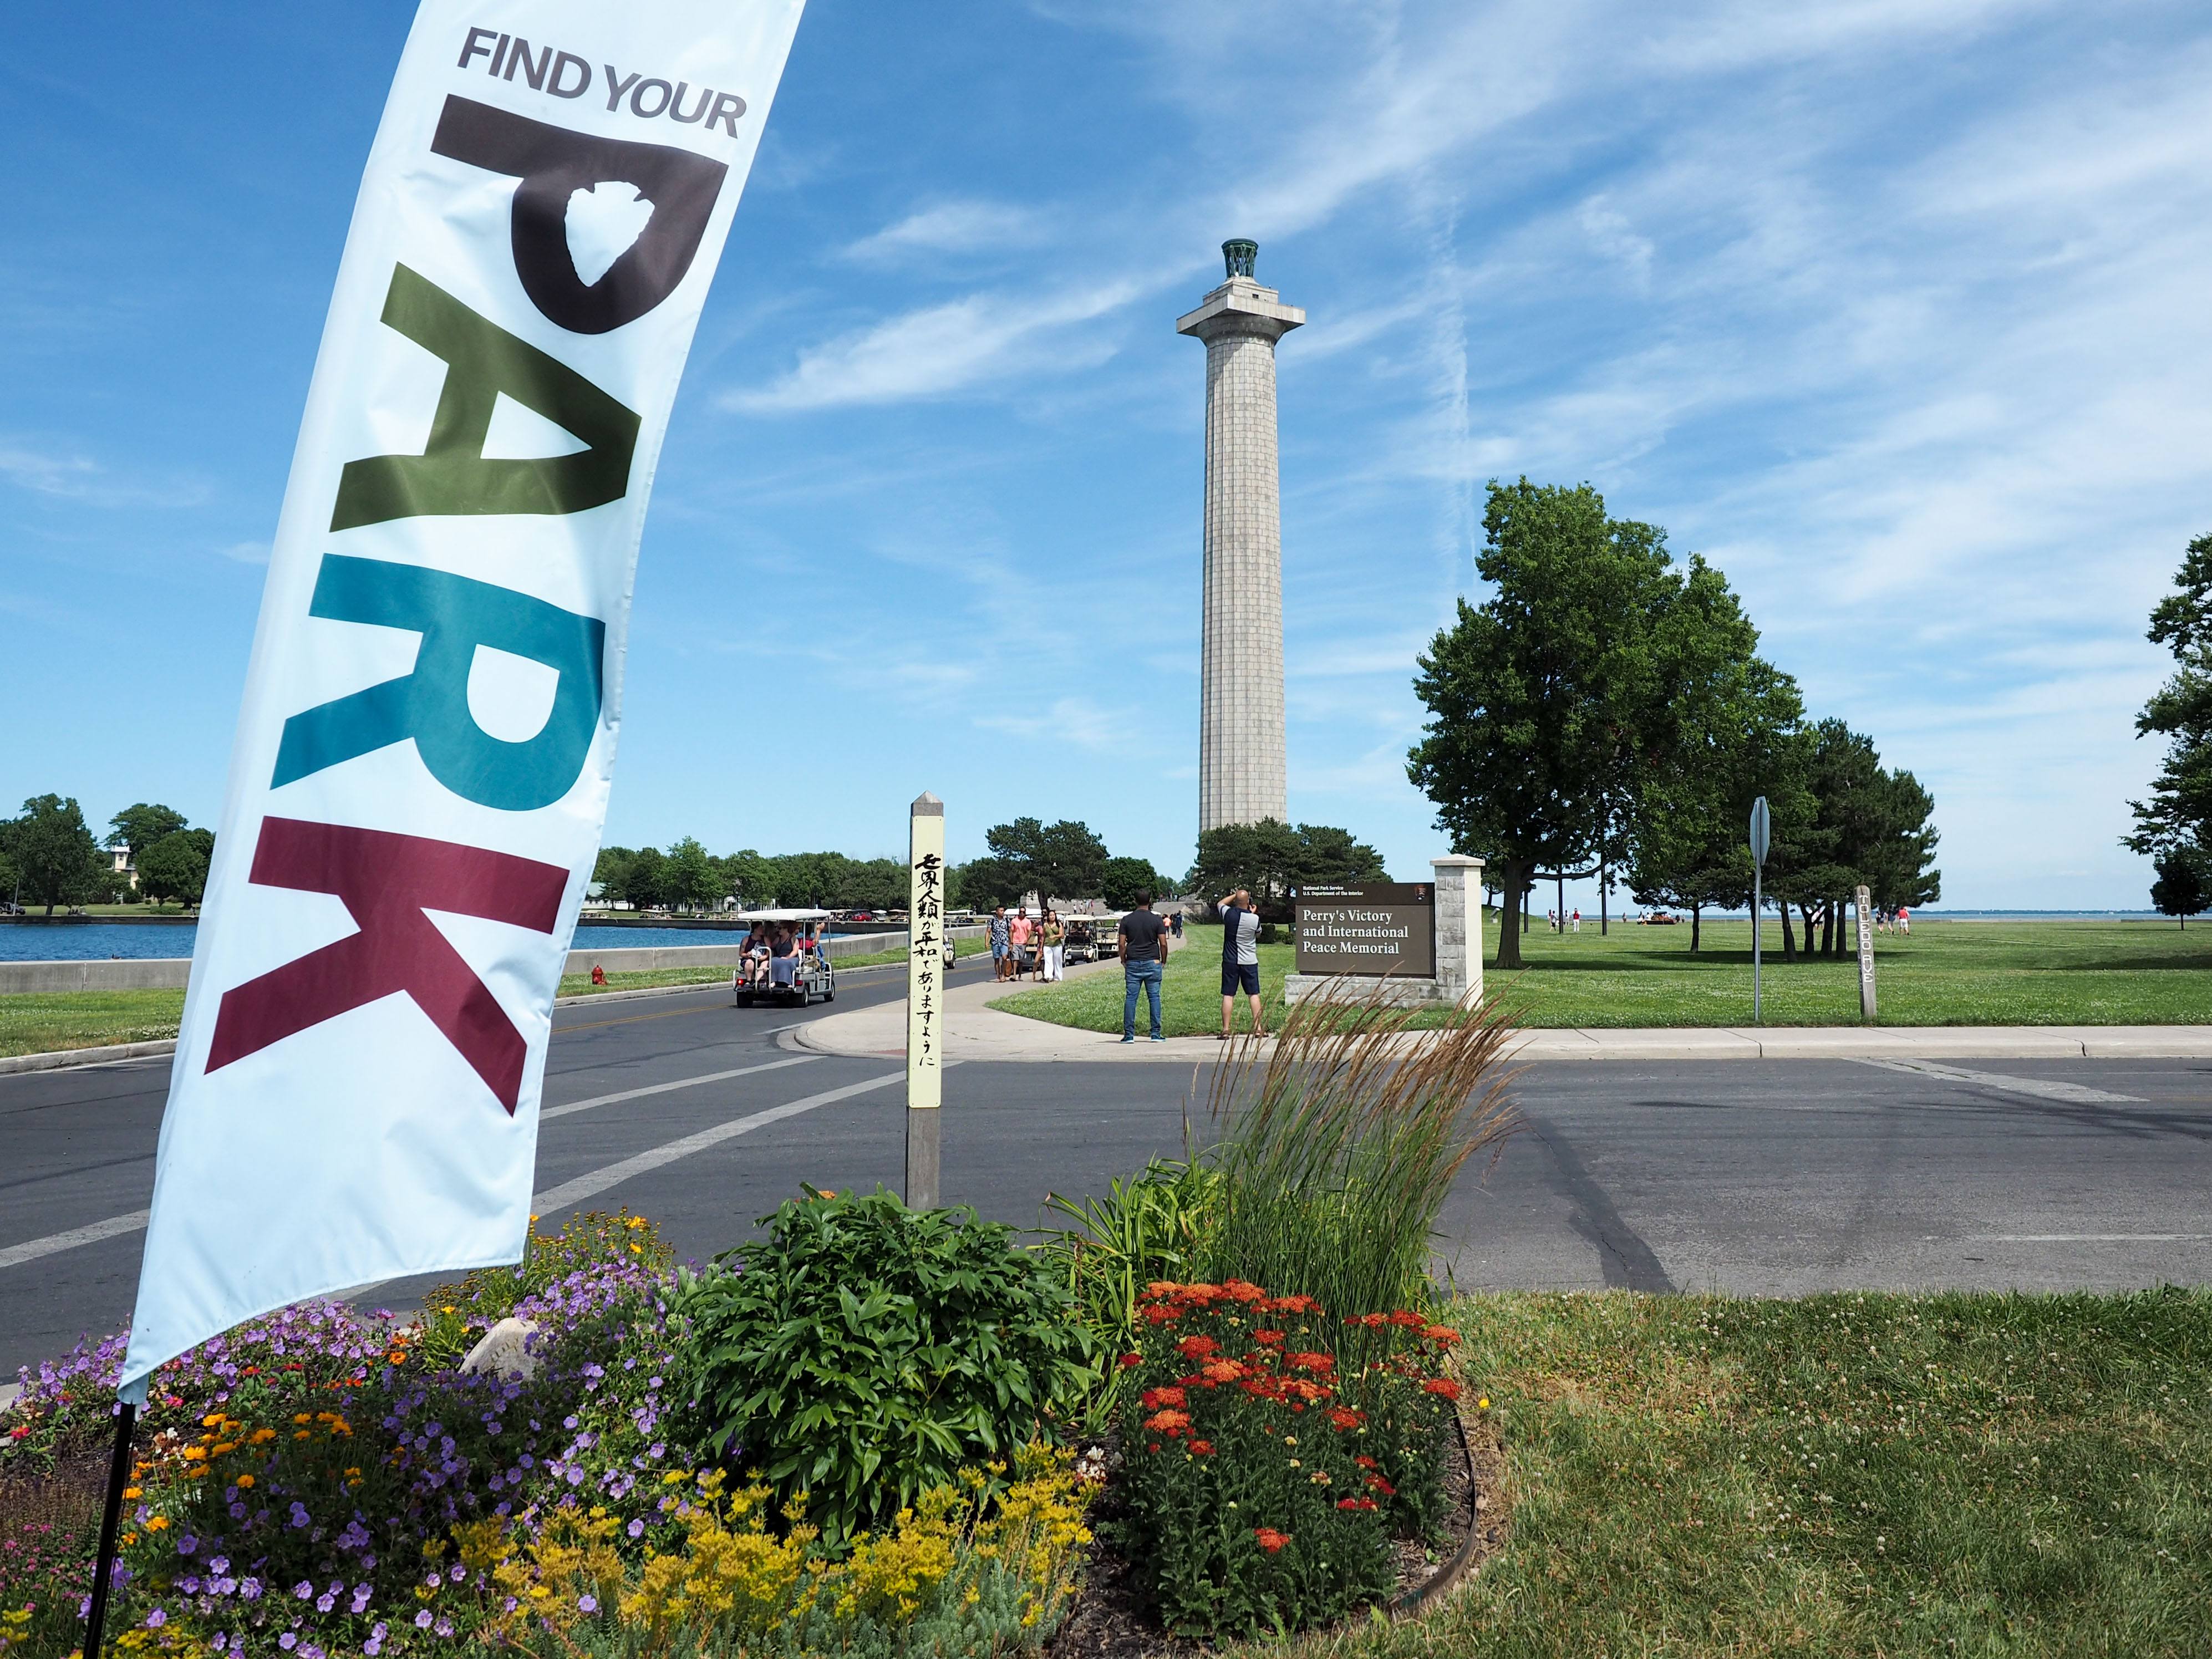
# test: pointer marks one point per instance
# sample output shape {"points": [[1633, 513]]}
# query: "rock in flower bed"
{"points": [[311, 1486], [1265, 1476]]}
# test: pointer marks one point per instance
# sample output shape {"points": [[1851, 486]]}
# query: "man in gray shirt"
{"points": [[1240, 958]]}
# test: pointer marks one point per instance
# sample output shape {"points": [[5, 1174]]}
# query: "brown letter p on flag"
{"points": [[387, 881]]}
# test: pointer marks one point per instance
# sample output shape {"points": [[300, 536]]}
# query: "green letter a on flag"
{"points": [[452, 476]]}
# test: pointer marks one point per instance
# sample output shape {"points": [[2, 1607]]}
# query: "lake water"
{"points": [[143, 941]]}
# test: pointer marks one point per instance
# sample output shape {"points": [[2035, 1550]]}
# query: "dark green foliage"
{"points": [[2179, 811], [176, 866], [2183, 887], [1127, 880], [54, 854], [140, 826], [1540, 699], [1271, 859], [863, 1352]]}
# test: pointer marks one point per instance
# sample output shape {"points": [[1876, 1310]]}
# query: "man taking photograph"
{"points": [[1240, 958]]}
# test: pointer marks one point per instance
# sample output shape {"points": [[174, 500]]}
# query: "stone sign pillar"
{"points": [[1459, 927], [1240, 673]]}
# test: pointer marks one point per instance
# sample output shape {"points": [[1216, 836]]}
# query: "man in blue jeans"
{"points": [[1144, 940]]}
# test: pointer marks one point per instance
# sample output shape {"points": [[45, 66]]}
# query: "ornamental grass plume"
{"points": [[1336, 1158]]}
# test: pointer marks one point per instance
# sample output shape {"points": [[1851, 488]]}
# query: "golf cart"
{"points": [[800, 976]]}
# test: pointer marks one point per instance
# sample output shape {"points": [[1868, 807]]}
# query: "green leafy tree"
{"points": [[2179, 813], [1064, 859], [11, 873], [175, 867], [610, 870], [1266, 858], [1125, 880], [690, 877], [61, 863], [643, 880], [1539, 698], [2183, 887], [140, 826], [1328, 853]]}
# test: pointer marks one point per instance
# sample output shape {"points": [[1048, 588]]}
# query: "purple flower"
{"points": [[303, 1590], [457, 1573], [221, 1563], [587, 1604], [156, 1619], [422, 1620], [325, 1602], [636, 1530], [187, 1544], [288, 1641]]}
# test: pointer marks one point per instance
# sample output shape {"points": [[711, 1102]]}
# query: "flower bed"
{"points": [[321, 1483], [1265, 1476]]}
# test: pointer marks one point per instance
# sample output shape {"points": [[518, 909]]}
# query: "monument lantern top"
{"points": [[1240, 256]]}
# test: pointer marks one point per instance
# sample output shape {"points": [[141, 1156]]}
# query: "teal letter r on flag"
{"points": [[454, 615]]}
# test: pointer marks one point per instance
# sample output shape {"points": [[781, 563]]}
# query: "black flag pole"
{"points": [[118, 1473]]}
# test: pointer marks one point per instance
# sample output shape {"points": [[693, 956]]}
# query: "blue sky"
{"points": [[1894, 309]]}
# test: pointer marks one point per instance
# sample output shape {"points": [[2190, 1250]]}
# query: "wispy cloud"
{"points": [[952, 227], [246, 552], [77, 478], [943, 349]]}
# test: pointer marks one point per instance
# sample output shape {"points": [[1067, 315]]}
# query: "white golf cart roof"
{"points": [[783, 915]]}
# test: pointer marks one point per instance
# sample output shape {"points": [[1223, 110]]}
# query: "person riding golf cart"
{"points": [[785, 962]]}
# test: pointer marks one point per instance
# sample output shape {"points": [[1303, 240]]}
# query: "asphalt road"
{"points": [[1757, 1177]]}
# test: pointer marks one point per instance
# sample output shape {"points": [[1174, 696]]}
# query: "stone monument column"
{"points": [[1240, 734]]}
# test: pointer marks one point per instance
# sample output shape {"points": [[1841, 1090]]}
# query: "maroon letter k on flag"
{"points": [[387, 881]]}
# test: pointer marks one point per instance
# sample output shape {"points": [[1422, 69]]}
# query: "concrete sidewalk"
{"points": [[974, 1032]]}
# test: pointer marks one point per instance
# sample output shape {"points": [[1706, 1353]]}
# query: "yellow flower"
{"points": [[134, 1491], [246, 1482]]}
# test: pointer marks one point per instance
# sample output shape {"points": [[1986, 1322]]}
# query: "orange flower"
{"points": [[1366, 1462], [1411, 1320], [1170, 1423], [1270, 1539], [1372, 1322], [1131, 1361], [1442, 1334], [1376, 1483], [1355, 1502], [1156, 1398], [1221, 1370], [1344, 1417], [1319, 1363], [1197, 1347], [1441, 1385], [1298, 1304], [1159, 1314], [1160, 1287], [1201, 1448], [1269, 1339], [1241, 1290]]}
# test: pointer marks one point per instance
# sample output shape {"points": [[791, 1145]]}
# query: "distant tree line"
{"points": [[2173, 828], [50, 858], [1606, 714], [1272, 861], [687, 877]]}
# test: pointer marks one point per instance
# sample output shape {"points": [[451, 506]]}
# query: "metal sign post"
{"points": [[1761, 829], [1865, 905], [925, 998]]}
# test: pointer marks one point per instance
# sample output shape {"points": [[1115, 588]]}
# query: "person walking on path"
{"points": [[1578, 919], [1017, 936], [999, 946], [1144, 941], [1052, 942], [1175, 927], [1240, 959]]}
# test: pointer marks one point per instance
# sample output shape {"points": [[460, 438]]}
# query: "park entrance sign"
{"points": [[420, 770], [1373, 928]]}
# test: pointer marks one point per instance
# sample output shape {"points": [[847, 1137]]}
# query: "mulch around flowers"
{"points": [[1109, 1619]]}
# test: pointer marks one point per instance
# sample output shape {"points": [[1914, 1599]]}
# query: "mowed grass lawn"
{"points": [[1946, 973], [1843, 1476]]}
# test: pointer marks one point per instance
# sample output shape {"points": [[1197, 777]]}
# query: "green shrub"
{"points": [[1150, 1226], [1262, 1479], [863, 1352], [1335, 1159]]}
